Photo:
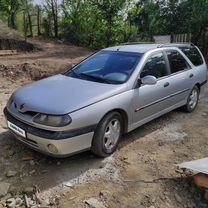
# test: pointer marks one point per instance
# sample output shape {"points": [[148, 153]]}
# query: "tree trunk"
{"points": [[54, 8], [30, 24], [38, 20]]}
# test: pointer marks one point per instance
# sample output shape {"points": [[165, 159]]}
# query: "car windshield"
{"points": [[113, 67]]}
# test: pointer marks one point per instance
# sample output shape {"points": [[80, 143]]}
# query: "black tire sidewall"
{"points": [[188, 108], [98, 145]]}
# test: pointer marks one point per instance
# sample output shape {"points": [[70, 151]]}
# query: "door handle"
{"points": [[166, 84], [191, 75]]}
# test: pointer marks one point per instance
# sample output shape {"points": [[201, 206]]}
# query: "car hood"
{"points": [[59, 95]]}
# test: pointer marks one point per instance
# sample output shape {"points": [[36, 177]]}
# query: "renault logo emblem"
{"points": [[21, 108]]}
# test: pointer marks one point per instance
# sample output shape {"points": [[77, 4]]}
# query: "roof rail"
{"points": [[175, 44], [136, 43]]}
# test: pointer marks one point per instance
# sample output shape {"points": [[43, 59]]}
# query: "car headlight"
{"points": [[54, 121]]}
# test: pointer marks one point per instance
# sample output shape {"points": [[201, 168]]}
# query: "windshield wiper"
{"points": [[100, 79]]}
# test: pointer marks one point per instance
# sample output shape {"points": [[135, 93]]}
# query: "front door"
{"points": [[150, 100]]}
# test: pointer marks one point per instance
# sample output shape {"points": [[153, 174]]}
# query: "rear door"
{"points": [[181, 78]]}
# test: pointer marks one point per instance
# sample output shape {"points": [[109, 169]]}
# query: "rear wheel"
{"points": [[193, 100], [107, 135]]}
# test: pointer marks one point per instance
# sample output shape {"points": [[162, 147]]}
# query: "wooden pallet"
{"points": [[8, 52]]}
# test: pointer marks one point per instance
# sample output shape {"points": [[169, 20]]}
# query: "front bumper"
{"points": [[65, 142]]}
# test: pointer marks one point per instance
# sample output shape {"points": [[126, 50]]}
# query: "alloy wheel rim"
{"points": [[193, 99], [112, 134]]}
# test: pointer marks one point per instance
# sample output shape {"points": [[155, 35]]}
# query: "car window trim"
{"points": [[152, 54], [178, 72], [201, 55]]}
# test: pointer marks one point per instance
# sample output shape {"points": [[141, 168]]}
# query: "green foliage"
{"points": [[101, 23]]}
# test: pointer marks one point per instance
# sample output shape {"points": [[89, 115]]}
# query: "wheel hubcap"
{"points": [[112, 133], [193, 99]]}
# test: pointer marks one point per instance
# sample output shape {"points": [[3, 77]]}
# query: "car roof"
{"points": [[143, 48]]}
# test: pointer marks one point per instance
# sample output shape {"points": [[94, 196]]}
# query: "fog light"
{"points": [[52, 148]]}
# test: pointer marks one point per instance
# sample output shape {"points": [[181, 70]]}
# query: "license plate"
{"points": [[16, 129]]}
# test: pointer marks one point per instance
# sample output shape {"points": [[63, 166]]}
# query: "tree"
{"points": [[52, 8], [10, 8]]}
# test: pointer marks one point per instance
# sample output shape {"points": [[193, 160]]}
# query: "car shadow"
{"points": [[35, 169], [150, 127]]}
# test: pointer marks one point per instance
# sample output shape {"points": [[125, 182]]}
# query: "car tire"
{"points": [[192, 101], [107, 135]]}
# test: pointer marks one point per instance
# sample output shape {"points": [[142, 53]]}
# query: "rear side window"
{"points": [[177, 61], [155, 66], [193, 55]]}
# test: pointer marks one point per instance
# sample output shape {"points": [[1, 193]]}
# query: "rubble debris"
{"points": [[11, 203], [11, 173], [68, 184], [94, 203]]}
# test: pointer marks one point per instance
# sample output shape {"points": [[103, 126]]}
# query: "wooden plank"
{"points": [[8, 52]]}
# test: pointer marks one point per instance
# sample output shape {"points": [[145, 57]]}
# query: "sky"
{"points": [[40, 2]]}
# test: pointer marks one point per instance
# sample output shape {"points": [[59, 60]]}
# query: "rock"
{"points": [[152, 206], [205, 114], [178, 198], [32, 162], [32, 172], [161, 143], [11, 203], [206, 195], [4, 188], [11, 153], [105, 193], [68, 184], [94, 203], [27, 158], [44, 171], [29, 190], [7, 196], [27, 201], [181, 171], [19, 202], [153, 200], [11, 173]]}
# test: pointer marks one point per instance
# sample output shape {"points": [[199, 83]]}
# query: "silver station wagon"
{"points": [[110, 93]]}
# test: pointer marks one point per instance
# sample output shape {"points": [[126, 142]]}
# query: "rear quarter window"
{"points": [[193, 55]]}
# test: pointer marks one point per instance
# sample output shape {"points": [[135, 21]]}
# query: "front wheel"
{"points": [[193, 100], [107, 135]]}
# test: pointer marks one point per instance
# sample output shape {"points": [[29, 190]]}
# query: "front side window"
{"points": [[155, 66], [177, 62], [193, 55], [113, 67]]}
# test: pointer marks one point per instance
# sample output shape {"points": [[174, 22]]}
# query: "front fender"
{"points": [[92, 115]]}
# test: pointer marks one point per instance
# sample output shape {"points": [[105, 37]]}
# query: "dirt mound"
{"points": [[19, 45], [7, 33], [28, 71], [12, 40]]}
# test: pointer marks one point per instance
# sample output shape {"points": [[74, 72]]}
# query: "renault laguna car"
{"points": [[110, 93]]}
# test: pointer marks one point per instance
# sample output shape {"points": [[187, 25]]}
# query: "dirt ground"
{"points": [[142, 173]]}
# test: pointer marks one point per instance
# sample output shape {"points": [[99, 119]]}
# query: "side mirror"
{"points": [[148, 80]]}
